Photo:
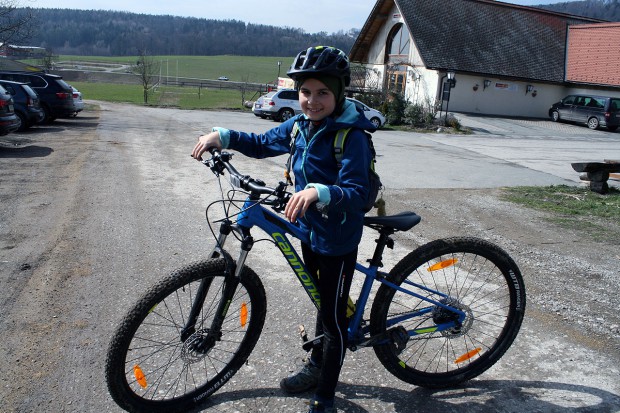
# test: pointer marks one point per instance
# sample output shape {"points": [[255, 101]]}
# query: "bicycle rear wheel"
{"points": [[153, 366], [478, 278]]}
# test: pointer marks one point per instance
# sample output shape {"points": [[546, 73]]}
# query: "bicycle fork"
{"points": [[202, 342]]}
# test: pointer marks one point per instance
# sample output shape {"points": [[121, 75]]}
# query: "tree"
{"points": [[146, 70], [15, 24]]}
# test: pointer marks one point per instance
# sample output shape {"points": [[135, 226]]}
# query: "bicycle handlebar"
{"points": [[220, 162]]}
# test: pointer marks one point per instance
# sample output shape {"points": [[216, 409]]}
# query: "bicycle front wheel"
{"points": [[154, 364], [472, 275]]}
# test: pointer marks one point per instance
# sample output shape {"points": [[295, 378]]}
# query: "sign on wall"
{"points": [[509, 87]]}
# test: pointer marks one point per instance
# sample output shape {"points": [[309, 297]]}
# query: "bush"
{"points": [[421, 114], [396, 106]]}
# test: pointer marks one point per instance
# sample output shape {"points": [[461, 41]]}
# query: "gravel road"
{"points": [[95, 209]]}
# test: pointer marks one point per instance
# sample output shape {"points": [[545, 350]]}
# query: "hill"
{"points": [[598, 9], [111, 33]]}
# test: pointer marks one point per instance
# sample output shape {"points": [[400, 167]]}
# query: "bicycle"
{"points": [[444, 314]]}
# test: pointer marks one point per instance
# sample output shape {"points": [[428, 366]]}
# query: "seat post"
{"points": [[383, 241]]}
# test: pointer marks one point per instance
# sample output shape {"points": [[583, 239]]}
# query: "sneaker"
{"points": [[318, 407], [306, 379]]}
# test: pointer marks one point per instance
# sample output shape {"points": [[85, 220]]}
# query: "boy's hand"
{"points": [[299, 203], [210, 140]]}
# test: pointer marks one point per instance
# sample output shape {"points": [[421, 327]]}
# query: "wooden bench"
{"points": [[597, 173]]}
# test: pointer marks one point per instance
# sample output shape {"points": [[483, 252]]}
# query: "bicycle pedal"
{"points": [[315, 342], [399, 337]]}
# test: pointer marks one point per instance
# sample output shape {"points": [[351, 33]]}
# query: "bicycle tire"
{"points": [[176, 378], [488, 287]]}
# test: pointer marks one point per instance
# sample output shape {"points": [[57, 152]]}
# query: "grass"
{"points": [[183, 98], [236, 68], [575, 208], [253, 69]]}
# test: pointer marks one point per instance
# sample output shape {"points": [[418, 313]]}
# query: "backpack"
{"points": [[375, 184]]}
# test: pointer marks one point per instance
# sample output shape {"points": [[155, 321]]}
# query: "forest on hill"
{"points": [[597, 9], [113, 33]]}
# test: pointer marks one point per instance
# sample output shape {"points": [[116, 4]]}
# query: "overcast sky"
{"points": [[310, 15]]}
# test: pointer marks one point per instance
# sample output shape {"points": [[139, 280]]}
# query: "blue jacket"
{"points": [[344, 190]]}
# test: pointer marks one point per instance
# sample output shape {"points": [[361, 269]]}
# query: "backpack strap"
{"points": [[287, 172], [339, 140]]}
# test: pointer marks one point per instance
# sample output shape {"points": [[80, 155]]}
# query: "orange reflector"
{"points": [[443, 264], [244, 314], [468, 355], [137, 372]]}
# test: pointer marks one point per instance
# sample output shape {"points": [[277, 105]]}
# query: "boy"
{"points": [[321, 75]]}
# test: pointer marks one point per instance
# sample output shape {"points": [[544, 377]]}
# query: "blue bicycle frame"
{"points": [[254, 214]]}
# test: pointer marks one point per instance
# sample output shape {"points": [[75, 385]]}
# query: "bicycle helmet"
{"points": [[321, 60]]}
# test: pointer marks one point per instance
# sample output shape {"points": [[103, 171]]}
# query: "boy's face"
{"points": [[316, 100]]}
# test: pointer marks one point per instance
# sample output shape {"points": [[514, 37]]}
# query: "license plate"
{"points": [[11, 108]]}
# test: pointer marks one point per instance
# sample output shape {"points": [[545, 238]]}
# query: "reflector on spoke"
{"points": [[244, 314], [468, 355], [442, 264], [140, 378]]}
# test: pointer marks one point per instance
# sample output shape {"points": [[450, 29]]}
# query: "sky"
{"points": [[310, 15]]}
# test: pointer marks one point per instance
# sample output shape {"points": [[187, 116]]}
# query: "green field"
{"points": [[248, 69], [236, 68], [180, 97]]}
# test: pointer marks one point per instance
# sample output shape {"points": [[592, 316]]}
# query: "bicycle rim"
{"points": [[151, 368], [480, 280]]}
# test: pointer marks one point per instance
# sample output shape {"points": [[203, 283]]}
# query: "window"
{"points": [[9, 88], [569, 100], [289, 94], [615, 105], [398, 42]]}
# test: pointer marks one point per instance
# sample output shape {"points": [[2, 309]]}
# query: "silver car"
{"points": [[281, 105]]}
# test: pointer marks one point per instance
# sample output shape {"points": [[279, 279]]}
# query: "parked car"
{"points": [[25, 103], [257, 108], [77, 101], [222, 78], [592, 110], [9, 122], [377, 118], [55, 95], [281, 105]]}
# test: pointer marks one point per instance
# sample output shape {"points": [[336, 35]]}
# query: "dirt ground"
{"points": [[95, 208]]}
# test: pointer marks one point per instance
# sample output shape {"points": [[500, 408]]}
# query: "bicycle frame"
{"points": [[253, 214]]}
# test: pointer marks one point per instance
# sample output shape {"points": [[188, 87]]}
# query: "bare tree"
{"points": [[47, 60], [14, 22], [146, 69]]}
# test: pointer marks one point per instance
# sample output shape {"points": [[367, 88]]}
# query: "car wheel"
{"points": [[555, 116], [593, 123], [23, 123], [48, 115], [285, 114], [376, 122], [612, 128]]}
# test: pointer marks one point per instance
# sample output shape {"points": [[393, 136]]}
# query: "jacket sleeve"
{"points": [[351, 189], [274, 142]]}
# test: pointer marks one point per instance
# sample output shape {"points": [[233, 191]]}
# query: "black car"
{"points": [[8, 120], [25, 102], [55, 95], [594, 111]]}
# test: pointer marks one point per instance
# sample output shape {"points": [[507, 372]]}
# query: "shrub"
{"points": [[395, 112]]}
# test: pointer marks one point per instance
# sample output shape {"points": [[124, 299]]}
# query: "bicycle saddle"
{"points": [[401, 221]]}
